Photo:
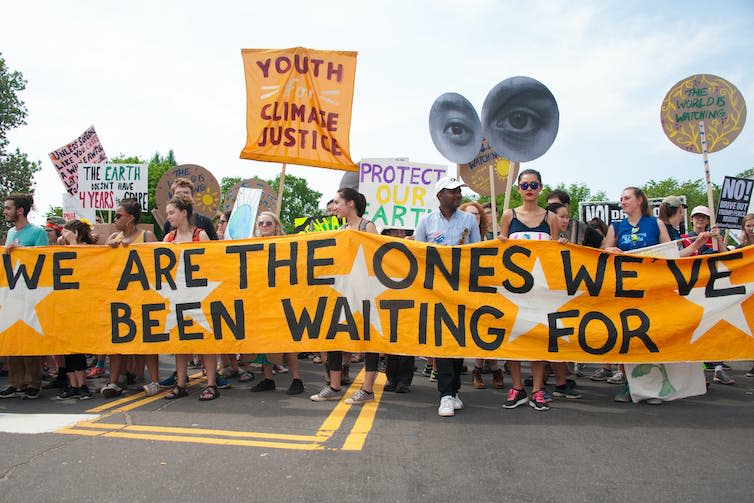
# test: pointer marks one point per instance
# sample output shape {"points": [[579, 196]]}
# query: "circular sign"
{"points": [[703, 98], [206, 188], [520, 118], [476, 173], [268, 201], [455, 128]]}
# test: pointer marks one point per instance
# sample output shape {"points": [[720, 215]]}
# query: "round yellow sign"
{"points": [[703, 98]]}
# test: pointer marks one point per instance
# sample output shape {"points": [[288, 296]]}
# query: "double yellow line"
{"points": [[354, 440]]}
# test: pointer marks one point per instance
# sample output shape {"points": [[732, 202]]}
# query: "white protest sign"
{"points": [[398, 193], [244, 214], [73, 210], [102, 186]]}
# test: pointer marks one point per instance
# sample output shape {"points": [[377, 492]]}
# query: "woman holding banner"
{"points": [[532, 222], [350, 204], [268, 225], [638, 230], [179, 211], [127, 217]]}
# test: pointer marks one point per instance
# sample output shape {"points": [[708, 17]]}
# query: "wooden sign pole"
{"points": [[280, 189], [512, 173], [493, 200], [708, 179]]}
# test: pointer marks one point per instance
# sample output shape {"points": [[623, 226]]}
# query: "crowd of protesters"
{"points": [[453, 224]]}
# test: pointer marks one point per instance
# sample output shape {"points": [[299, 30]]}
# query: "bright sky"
{"points": [[151, 76]]}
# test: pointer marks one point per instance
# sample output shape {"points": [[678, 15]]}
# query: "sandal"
{"points": [[176, 392], [209, 393]]}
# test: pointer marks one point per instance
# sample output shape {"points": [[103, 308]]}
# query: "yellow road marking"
{"points": [[194, 440], [365, 421], [332, 423]]}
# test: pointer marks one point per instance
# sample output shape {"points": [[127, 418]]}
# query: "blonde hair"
{"points": [[484, 223], [279, 231]]}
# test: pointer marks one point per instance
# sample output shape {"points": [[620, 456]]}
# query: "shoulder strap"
{"points": [[363, 224], [197, 234], [513, 211], [171, 236]]}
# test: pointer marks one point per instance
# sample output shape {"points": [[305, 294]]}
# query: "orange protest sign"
{"points": [[352, 291], [298, 106]]}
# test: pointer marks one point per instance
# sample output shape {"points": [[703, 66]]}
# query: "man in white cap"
{"points": [[448, 227]]}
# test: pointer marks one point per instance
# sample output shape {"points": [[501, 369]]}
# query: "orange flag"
{"points": [[298, 106]]}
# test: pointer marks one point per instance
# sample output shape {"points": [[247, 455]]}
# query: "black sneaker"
{"points": [[68, 392], [84, 393], [10, 392], [296, 387], [538, 402], [30, 394], [264, 385], [402, 388], [566, 391], [390, 386], [516, 397]]}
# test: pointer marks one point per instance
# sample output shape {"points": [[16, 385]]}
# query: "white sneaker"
{"points": [[447, 406], [111, 390], [457, 403], [151, 389]]}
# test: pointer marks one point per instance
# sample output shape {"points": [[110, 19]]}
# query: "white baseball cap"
{"points": [[700, 210], [448, 182]]}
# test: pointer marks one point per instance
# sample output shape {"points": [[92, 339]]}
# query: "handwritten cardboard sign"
{"points": [[206, 188], [84, 149], [398, 193], [703, 98], [476, 175]]}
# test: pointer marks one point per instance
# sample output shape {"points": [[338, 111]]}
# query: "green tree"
{"points": [[298, 200], [16, 170], [226, 183], [694, 190], [158, 165]]}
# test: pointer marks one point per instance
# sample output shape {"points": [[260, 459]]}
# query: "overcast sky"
{"points": [[159, 75]]}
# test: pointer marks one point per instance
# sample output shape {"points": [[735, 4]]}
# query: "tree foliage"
{"points": [[16, 170], [227, 183], [298, 200]]}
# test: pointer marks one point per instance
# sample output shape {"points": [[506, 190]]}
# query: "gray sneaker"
{"points": [[360, 397], [617, 378], [151, 389], [601, 374], [722, 377], [326, 394]]}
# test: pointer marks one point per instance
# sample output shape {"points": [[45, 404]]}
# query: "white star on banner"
{"points": [[20, 304], [184, 294], [534, 305], [716, 309], [357, 286]]}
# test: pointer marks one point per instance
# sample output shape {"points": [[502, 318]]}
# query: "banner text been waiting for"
{"points": [[364, 292]]}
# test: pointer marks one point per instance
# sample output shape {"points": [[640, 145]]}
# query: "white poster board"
{"points": [[398, 193], [244, 215], [73, 210], [102, 186]]}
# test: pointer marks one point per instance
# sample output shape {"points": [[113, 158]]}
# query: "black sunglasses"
{"points": [[529, 185]]}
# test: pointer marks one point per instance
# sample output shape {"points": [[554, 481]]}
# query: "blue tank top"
{"points": [[645, 233], [518, 226]]}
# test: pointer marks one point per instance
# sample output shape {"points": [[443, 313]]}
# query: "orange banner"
{"points": [[522, 300], [298, 106]]}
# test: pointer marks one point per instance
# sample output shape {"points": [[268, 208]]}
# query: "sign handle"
{"points": [[493, 200], [280, 189], [708, 180], [512, 173]]}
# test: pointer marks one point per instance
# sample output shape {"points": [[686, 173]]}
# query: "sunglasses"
{"points": [[529, 185], [265, 223]]}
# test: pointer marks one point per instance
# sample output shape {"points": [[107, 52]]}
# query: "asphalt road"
{"points": [[270, 446]]}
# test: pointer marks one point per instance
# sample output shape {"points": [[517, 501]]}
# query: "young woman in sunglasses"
{"points": [[532, 222]]}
